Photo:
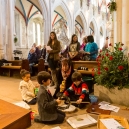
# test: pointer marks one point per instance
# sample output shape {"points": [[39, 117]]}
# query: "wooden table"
{"points": [[13, 117]]}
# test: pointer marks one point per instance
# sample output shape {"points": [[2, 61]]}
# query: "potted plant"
{"points": [[112, 6], [112, 74]]}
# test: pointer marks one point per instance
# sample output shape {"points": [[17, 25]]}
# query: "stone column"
{"points": [[46, 12], [125, 24], [10, 29], [1, 33], [117, 19]]}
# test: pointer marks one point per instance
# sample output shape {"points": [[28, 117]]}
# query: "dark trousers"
{"points": [[59, 120], [76, 97], [32, 102], [52, 64], [31, 68]]}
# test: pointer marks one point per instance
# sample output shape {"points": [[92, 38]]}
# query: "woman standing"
{"points": [[91, 48], [74, 48], [53, 55]]}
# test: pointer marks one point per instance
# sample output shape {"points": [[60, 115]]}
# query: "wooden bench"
{"points": [[89, 64], [13, 117], [39, 67], [17, 65]]}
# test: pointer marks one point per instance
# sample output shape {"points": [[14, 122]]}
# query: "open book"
{"points": [[80, 121]]}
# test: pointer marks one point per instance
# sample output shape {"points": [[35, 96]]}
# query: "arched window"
{"points": [[34, 33], [38, 34]]}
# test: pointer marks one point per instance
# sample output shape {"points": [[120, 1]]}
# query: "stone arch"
{"points": [[67, 13], [96, 35], [80, 13], [95, 26], [47, 19]]}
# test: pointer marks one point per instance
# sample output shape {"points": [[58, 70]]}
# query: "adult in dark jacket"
{"points": [[32, 57], [43, 52], [64, 76]]}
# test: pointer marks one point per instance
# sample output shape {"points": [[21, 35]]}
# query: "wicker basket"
{"points": [[123, 121]]}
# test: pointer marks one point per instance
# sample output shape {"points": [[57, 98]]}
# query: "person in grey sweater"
{"points": [[47, 106]]}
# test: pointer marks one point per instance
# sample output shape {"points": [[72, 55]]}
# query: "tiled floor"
{"points": [[9, 92]]}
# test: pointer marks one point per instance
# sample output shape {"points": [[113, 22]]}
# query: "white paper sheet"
{"points": [[81, 121], [109, 107], [48, 48], [103, 103], [111, 123], [22, 104]]}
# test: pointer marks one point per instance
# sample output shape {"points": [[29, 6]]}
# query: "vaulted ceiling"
{"points": [[28, 9]]}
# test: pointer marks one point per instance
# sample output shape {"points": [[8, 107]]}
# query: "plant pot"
{"points": [[115, 96]]}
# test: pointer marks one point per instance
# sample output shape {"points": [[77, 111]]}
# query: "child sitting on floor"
{"points": [[27, 88], [47, 106], [78, 91]]}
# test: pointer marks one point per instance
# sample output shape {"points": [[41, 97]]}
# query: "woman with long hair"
{"points": [[53, 55], [74, 48]]}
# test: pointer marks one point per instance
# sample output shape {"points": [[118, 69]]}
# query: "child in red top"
{"points": [[78, 91]]}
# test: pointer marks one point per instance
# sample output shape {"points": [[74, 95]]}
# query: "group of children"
{"points": [[47, 105]]}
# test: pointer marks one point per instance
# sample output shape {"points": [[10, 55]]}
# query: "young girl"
{"points": [[74, 48], [27, 88]]}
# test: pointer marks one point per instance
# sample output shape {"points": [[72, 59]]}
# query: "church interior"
{"points": [[97, 29]]}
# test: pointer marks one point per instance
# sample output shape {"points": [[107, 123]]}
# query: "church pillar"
{"points": [[125, 24], [46, 12], [117, 22], [1, 33], [10, 29]]}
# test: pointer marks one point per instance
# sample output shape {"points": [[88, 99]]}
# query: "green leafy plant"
{"points": [[15, 39], [112, 6], [113, 68]]}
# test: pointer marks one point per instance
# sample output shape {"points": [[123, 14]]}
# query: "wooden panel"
{"points": [[11, 67], [15, 62], [88, 64], [13, 117]]}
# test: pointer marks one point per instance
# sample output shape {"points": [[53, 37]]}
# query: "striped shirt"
{"points": [[81, 89]]}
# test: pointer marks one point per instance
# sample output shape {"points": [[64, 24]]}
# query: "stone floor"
{"points": [[9, 92]]}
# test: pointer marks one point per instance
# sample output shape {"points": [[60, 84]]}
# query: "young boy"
{"points": [[47, 106], [78, 91]]}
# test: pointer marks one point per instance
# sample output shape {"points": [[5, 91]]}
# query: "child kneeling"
{"points": [[78, 91], [47, 106]]}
